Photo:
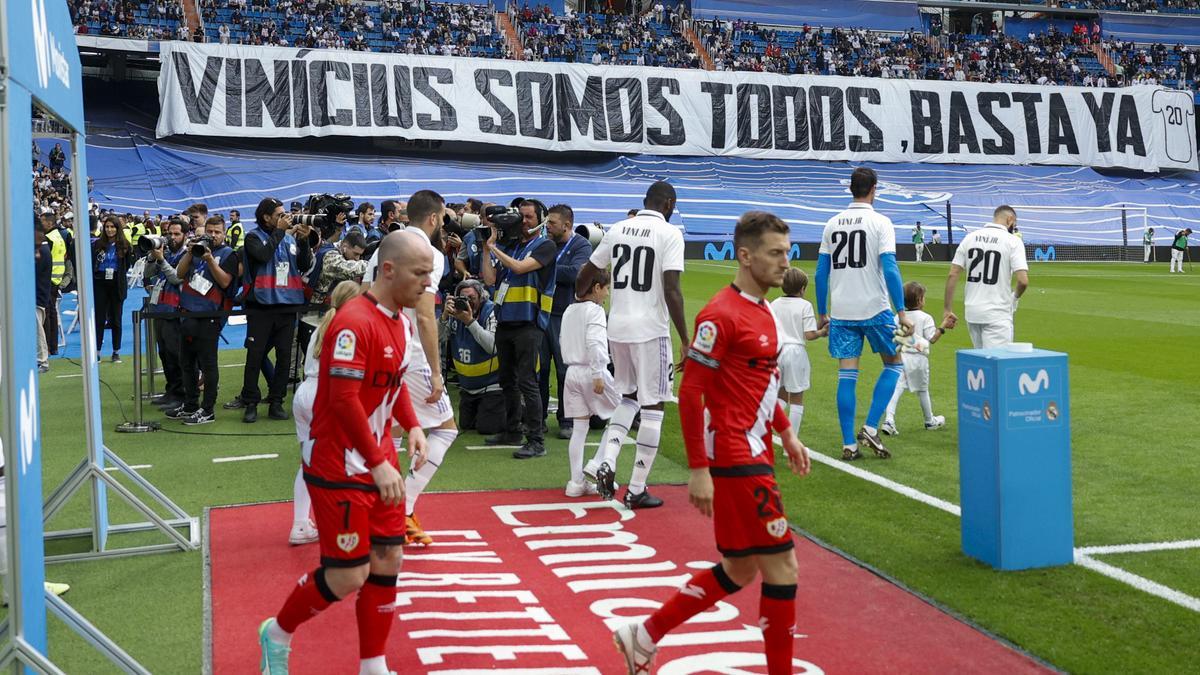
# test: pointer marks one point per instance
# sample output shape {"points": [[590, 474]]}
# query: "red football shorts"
{"points": [[748, 515], [349, 521]]}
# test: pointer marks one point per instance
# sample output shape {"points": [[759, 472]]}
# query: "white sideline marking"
{"points": [[243, 458], [1139, 548], [69, 375], [494, 447], [883, 482], [1082, 557], [232, 365], [1139, 582], [136, 467]]}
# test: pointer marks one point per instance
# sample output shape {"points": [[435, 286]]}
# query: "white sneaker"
{"points": [[581, 489], [889, 427], [938, 422], [638, 660], [303, 532]]}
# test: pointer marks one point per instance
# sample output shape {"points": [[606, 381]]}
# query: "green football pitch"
{"points": [[1129, 330]]}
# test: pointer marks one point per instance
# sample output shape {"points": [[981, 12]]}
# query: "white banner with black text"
{"points": [[279, 92]]}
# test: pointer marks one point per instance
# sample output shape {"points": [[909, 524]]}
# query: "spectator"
{"points": [[112, 255], [472, 326], [57, 157], [573, 252], [275, 254], [523, 276]]}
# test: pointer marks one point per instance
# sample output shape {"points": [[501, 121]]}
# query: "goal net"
{"points": [[1071, 233]]}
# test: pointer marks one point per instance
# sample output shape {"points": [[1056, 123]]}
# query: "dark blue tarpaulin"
{"points": [[875, 14], [1168, 29]]}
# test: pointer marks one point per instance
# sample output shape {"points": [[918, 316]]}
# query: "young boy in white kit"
{"points": [[914, 351], [588, 388], [798, 321]]}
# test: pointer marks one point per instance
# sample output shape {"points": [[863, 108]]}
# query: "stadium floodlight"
{"points": [[1070, 233]]}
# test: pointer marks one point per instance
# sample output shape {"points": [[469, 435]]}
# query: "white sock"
{"points": [[575, 448], [926, 406], [643, 637], [439, 441], [301, 502], [618, 429], [870, 429], [278, 635], [891, 409], [376, 665], [796, 416], [647, 448]]}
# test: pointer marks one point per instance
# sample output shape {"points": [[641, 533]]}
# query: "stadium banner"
{"points": [[279, 92]]}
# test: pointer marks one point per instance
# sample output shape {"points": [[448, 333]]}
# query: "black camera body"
{"points": [[508, 221], [321, 211], [201, 246]]}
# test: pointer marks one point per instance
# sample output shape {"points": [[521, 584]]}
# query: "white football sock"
{"points": [[618, 429], [647, 448], [438, 442], [301, 501], [891, 409], [926, 406], [796, 416], [278, 635], [376, 665], [575, 448]]}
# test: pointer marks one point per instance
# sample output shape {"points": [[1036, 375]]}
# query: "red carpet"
{"points": [[531, 582]]}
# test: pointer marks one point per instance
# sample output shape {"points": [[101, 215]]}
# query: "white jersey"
{"points": [[854, 239], [415, 348], [924, 328], [990, 256], [584, 336], [795, 317], [640, 249]]}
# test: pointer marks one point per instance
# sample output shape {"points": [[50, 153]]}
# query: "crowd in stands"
{"points": [[1141, 6], [652, 39], [156, 20], [1050, 58], [400, 26]]}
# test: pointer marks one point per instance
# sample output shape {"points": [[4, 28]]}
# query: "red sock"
{"points": [[307, 600], [777, 617], [701, 592], [376, 611]]}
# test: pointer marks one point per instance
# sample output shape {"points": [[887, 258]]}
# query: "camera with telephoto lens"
{"points": [[459, 225], [461, 304], [321, 211], [151, 242], [201, 246]]}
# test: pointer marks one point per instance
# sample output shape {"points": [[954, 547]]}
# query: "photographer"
{"points": [[332, 264], [469, 258], [573, 252], [366, 222], [209, 266], [523, 276], [276, 254], [389, 216], [160, 277], [472, 328]]}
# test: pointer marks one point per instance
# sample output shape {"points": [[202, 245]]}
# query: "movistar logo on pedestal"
{"points": [[975, 380], [49, 55], [1032, 385]]}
